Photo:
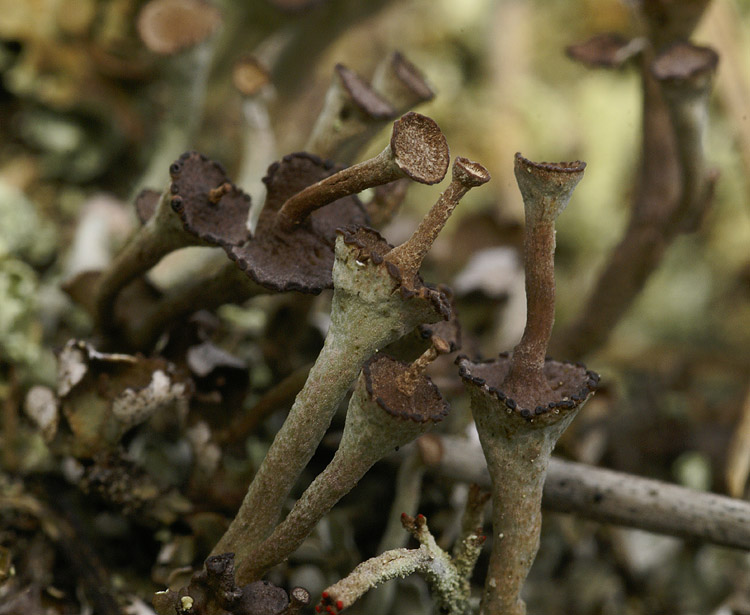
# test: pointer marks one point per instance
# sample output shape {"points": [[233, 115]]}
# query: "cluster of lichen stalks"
{"points": [[312, 233], [521, 402]]}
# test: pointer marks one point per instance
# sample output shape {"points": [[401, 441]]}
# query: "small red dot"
{"points": [[340, 605], [420, 516], [324, 595], [318, 609]]}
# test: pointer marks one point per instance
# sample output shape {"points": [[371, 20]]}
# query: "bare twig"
{"points": [[613, 497]]}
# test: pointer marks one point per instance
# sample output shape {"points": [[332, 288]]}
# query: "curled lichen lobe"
{"points": [[571, 384]]}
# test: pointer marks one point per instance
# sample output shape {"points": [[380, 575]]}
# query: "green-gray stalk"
{"points": [[367, 313], [517, 453], [370, 433], [162, 234], [186, 75], [687, 100], [347, 122], [429, 560]]}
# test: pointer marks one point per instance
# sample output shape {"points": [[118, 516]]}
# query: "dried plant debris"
{"points": [[209, 205], [104, 395], [213, 591], [300, 259], [121, 483]]}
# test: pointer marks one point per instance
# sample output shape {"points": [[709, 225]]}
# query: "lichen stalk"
{"points": [[417, 149], [368, 312], [410, 254], [546, 190], [370, 433], [162, 234], [517, 454], [522, 404]]}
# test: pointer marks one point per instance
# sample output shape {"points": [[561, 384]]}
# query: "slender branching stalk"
{"points": [[417, 150], [374, 303], [447, 577], [522, 404], [381, 418]]}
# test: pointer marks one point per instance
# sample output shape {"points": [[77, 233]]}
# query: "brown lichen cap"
{"points": [[249, 76], [547, 185], [571, 384], [402, 83], [209, 205], [169, 26], [371, 246], [367, 100], [605, 51], [300, 259], [420, 149], [685, 63], [425, 404]]}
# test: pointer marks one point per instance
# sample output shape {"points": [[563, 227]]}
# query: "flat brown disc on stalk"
{"points": [[300, 259], [411, 78], [420, 148], [373, 247], [209, 205], [363, 96], [604, 51], [424, 404], [168, 26], [571, 385], [249, 76], [683, 62]]}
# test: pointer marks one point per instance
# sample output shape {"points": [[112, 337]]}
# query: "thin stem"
{"points": [[546, 189], [417, 150], [527, 367], [614, 497], [410, 254], [352, 180], [408, 491], [162, 234]]}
